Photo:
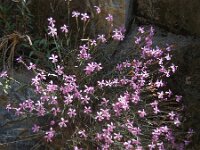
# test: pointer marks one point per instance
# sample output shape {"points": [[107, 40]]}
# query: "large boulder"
{"points": [[180, 16]]}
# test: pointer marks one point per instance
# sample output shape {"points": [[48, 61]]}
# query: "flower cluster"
{"points": [[132, 109], [52, 29], [91, 67]]}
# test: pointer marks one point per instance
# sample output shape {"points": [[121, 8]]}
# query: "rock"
{"points": [[180, 16], [12, 127], [115, 8]]}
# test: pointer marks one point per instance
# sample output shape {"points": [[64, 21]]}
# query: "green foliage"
{"points": [[15, 16], [5, 85]]}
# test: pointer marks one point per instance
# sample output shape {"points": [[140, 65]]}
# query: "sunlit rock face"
{"points": [[114, 7], [177, 15]]}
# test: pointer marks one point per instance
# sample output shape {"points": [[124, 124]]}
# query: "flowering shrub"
{"points": [[131, 109]]}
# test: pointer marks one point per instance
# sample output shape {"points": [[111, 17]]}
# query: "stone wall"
{"points": [[182, 16]]}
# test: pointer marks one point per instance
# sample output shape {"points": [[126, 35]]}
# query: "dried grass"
{"points": [[8, 44]]}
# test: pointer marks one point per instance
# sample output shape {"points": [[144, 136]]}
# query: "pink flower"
{"points": [[109, 83], [52, 31], [105, 113], [52, 122], [171, 115], [71, 112], [99, 116], [35, 81], [83, 47], [84, 17], [31, 66], [54, 58], [167, 73], [87, 110], [141, 29], [111, 127], [59, 70], [109, 18], [128, 145], [89, 90], [75, 14], [154, 104], [49, 135], [156, 110], [178, 98], [63, 123], [151, 31], [177, 121], [173, 68], [40, 111], [51, 21], [55, 111], [139, 148], [83, 52], [169, 93], [35, 128], [101, 38], [8, 107], [160, 61], [136, 141], [101, 84], [76, 148], [159, 83], [39, 104], [91, 67], [152, 146], [85, 99], [3, 74], [98, 137], [164, 129], [93, 42], [119, 67], [68, 99], [84, 55], [104, 102], [51, 87], [19, 59], [123, 102], [42, 76], [18, 111], [117, 136], [168, 57], [190, 132], [160, 94], [64, 29], [82, 134], [137, 40], [118, 35], [98, 10], [142, 113], [134, 130]]}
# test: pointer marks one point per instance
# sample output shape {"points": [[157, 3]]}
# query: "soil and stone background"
{"points": [[176, 22]]}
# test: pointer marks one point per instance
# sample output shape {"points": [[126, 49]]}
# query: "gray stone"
{"points": [[180, 16], [11, 126]]}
